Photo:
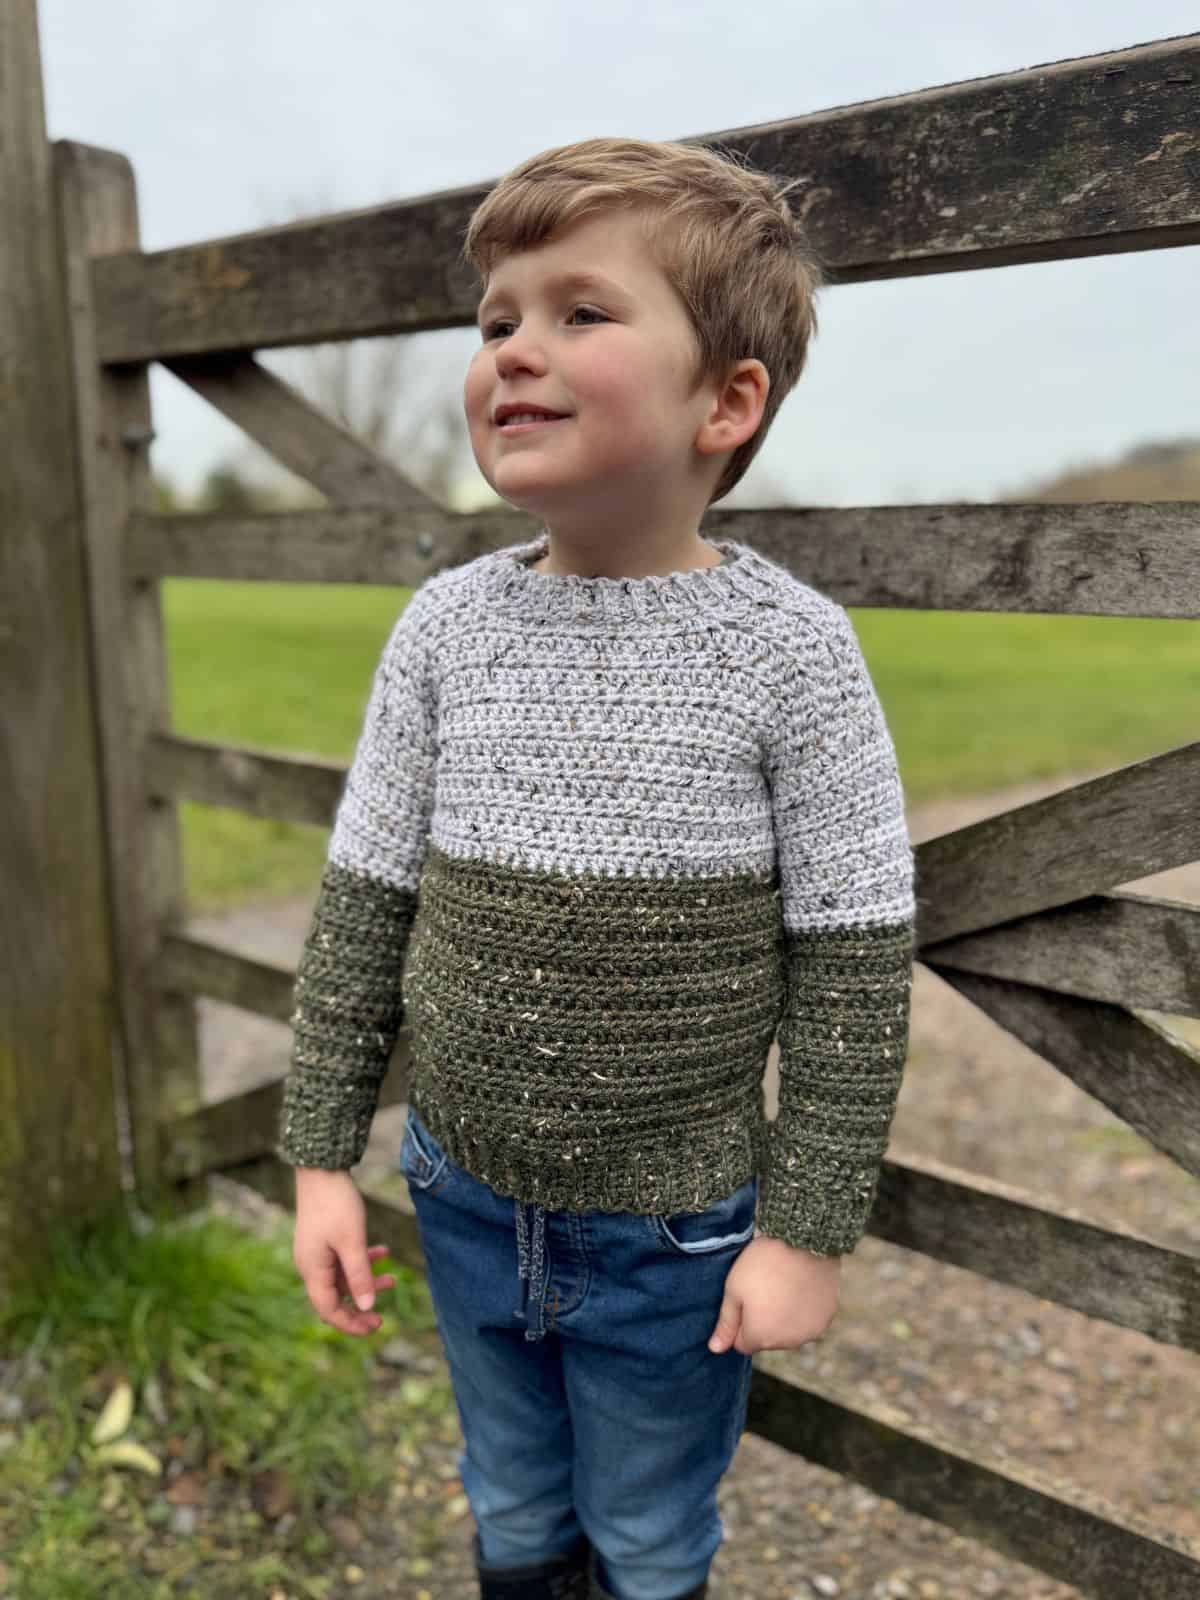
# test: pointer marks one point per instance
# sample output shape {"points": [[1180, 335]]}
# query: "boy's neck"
{"points": [[561, 562]]}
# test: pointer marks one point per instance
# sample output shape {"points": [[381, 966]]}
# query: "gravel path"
{"points": [[984, 1365]]}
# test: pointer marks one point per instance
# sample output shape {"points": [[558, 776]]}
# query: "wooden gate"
{"points": [[1082, 157]]}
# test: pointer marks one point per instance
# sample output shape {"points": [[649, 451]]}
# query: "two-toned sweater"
{"points": [[602, 841]]}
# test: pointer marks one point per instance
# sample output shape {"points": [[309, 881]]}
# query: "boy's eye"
{"points": [[491, 330]]}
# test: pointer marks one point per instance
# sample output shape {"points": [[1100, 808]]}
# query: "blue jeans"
{"points": [[577, 1343]]}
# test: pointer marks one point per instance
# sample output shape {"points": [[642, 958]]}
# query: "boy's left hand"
{"points": [[776, 1298]]}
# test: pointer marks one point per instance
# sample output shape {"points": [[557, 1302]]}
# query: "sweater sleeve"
{"points": [[347, 1004], [846, 877]]}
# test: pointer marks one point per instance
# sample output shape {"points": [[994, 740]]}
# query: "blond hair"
{"points": [[721, 232]]}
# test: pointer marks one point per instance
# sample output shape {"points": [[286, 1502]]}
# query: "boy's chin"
{"points": [[532, 507], [533, 499]]}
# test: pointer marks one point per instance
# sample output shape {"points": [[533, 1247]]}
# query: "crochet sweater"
{"points": [[602, 840]]}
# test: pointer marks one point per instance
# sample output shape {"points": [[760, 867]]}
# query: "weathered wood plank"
{"points": [[257, 782], [1052, 1525], [958, 557], [1098, 558], [1031, 1242], [291, 429], [1086, 839], [1147, 1076], [1087, 156], [195, 967], [369, 544], [1133, 950], [98, 201], [59, 1154], [246, 1125]]}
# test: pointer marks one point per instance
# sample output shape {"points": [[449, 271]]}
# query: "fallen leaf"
{"points": [[115, 1417], [125, 1453]]}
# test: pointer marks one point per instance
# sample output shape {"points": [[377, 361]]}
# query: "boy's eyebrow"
{"points": [[560, 280]]}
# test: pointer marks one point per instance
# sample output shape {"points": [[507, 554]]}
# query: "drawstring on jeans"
{"points": [[532, 1254]]}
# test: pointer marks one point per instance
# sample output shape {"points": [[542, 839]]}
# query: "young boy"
{"points": [[625, 808]]}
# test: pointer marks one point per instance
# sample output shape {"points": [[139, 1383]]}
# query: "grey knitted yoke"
{"points": [[603, 840]]}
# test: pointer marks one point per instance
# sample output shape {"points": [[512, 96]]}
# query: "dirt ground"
{"points": [[984, 1365]]}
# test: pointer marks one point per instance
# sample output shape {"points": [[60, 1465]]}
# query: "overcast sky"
{"points": [[240, 113]]}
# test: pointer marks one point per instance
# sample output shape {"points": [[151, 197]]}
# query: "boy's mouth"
{"points": [[519, 413], [524, 422]]}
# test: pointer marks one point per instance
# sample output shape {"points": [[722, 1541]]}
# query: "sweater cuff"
{"points": [[325, 1121], [814, 1201]]}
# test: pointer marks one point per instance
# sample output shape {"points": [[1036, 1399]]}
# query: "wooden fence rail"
{"points": [[1096, 559], [1076, 158], [1023, 914]]}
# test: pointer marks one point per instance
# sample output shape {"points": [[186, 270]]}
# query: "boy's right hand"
{"points": [[330, 1251]]}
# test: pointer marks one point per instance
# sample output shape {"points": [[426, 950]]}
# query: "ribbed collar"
{"points": [[510, 584]]}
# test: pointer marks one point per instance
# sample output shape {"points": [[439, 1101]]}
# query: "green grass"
{"points": [[285, 667], [251, 1381], [975, 701]]}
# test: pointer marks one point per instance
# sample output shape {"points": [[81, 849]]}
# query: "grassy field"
{"points": [[178, 1421], [975, 701]]}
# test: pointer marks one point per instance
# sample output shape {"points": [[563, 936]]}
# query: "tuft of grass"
{"points": [[212, 1319]]}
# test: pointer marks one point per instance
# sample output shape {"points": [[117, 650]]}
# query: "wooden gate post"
{"points": [[59, 1145], [98, 216]]}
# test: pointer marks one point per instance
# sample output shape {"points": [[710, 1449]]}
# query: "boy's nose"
{"points": [[520, 351]]}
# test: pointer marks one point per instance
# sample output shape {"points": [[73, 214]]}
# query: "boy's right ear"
{"points": [[738, 410]]}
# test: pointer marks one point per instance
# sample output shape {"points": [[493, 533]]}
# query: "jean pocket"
{"points": [[722, 1228], [422, 1160]]}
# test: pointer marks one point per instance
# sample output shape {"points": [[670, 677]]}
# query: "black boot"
{"points": [[564, 1577]]}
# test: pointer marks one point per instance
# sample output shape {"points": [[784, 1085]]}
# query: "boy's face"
{"points": [[613, 357]]}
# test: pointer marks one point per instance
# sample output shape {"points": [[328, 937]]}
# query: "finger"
{"points": [[357, 1323], [360, 1280], [323, 1282], [375, 1253], [386, 1281], [729, 1321]]}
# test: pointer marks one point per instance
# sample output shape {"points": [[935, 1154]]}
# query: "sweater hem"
{"points": [[659, 1179]]}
